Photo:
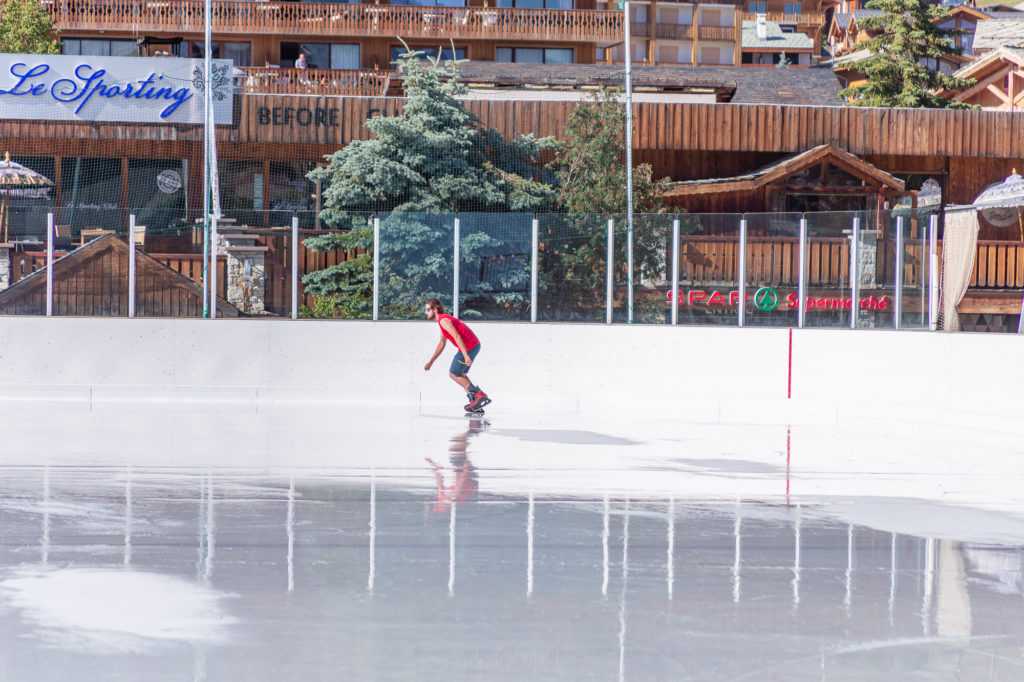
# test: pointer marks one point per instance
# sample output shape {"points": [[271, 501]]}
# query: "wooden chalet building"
{"points": [[733, 128]]}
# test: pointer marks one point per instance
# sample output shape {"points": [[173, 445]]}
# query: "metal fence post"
{"points": [[295, 267], [534, 258], [610, 284], [49, 264], [802, 276], [933, 272], [376, 268], [213, 266], [455, 272], [675, 272], [897, 308], [741, 308], [854, 271], [131, 265]]}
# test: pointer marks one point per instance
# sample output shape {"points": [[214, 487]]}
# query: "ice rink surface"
{"points": [[154, 541]]}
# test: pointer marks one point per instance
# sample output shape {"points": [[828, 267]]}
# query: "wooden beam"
{"points": [[981, 85], [998, 92]]}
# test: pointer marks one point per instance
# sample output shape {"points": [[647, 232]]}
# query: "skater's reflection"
{"points": [[463, 476]]}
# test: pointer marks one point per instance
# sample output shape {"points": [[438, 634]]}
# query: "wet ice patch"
{"points": [[115, 609]]}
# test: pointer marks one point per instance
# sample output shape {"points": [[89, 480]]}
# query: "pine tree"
{"points": [[430, 161], [897, 66], [26, 27]]}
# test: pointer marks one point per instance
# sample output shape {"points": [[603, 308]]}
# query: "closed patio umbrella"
{"points": [[19, 182]]}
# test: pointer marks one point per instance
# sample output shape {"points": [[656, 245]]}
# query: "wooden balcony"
{"points": [[727, 33], [808, 20], [177, 17], [327, 82]]}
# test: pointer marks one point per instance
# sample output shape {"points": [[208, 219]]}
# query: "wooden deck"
{"points": [[177, 17]]}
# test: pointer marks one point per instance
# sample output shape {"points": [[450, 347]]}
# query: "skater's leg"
{"points": [[461, 379]]}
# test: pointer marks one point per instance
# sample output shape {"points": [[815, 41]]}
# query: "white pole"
{"points": [[455, 271], [213, 266], [208, 302], [933, 272], [741, 308], [49, 264], [629, 166], [295, 267], [802, 284], [131, 265], [610, 284], [854, 272], [534, 258], [376, 268], [675, 271], [898, 281]]}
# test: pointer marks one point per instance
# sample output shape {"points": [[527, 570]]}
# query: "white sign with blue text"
{"points": [[114, 89]]}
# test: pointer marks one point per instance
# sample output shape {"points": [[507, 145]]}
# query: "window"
{"points": [[792, 8], [321, 55], [709, 55], [711, 17], [533, 55], [757, 7], [239, 53], [446, 53], [99, 47]]}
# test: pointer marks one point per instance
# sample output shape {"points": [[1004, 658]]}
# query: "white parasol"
{"points": [[1001, 202], [18, 181]]}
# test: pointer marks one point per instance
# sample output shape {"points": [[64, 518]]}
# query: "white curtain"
{"points": [[959, 249]]}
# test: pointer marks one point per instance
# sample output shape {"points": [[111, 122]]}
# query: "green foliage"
{"points": [[896, 75], [26, 27], [349, 283], [592, 162]]}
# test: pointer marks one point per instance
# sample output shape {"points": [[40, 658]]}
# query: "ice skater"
{"points": [[463, 338]]}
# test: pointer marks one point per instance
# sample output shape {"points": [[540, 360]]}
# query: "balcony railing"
{"points": [[810, 19], [267, 81], [718, 33], [322, 19]]}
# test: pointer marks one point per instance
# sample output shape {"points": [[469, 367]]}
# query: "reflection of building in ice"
{"points": [[590, 588], [1001, 568]]}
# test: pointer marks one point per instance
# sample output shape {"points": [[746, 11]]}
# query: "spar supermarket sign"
{"points": [[769, 298]]}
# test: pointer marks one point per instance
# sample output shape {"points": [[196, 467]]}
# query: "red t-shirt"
{"points": [[465, 332]]}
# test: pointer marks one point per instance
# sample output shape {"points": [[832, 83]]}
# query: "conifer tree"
{"points": [[432, 159], [26, 27], [897, 67]]}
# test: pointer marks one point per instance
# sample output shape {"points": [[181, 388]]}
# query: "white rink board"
{"points": [[708, 372]]}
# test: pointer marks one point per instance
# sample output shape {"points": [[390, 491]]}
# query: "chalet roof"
{"points": [[842, 20], [990, 35], [785, 167], [1014, 15], [736, 84], [92, 280], [861, 14], [775, 39]]}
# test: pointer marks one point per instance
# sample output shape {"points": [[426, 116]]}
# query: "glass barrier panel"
{"points": [[494, 265], [708, 275], [652, 258], [417, 252], [772, 269], [916, 266], [572, 267]]}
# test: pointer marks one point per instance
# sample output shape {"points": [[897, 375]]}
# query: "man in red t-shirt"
{"points": [[463, 338]]}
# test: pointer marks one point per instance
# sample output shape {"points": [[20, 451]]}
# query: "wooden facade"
{"points": [[93, 280]]}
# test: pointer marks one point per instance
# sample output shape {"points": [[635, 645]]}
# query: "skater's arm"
{"points": [[437, 351], [450, 328]]}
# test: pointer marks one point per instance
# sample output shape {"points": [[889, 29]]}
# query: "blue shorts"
{"points": [[459, 366]]}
